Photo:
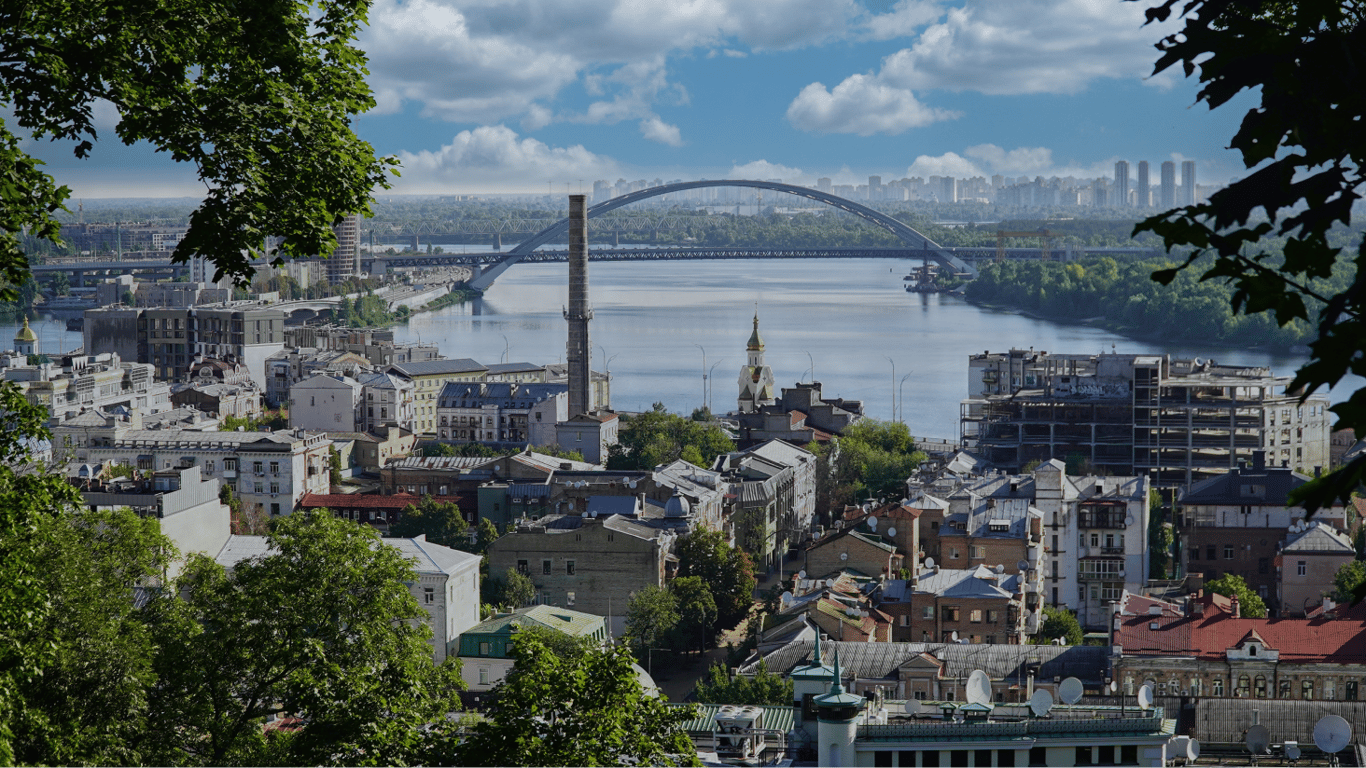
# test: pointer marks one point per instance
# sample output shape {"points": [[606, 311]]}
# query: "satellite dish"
{"points": [[1023, 565], [1041, 702], [1114, 685], [954, 635], [929, 562], [1193, 750], [844, 555], [1259, 739], [1070, 691], [979, 687], [1000, 569], [632, 484], [891, 531], [1292, 750], [1332, 733], [787, 598], [912, 707], [1145, 697], [801, 574], [872, 523]]}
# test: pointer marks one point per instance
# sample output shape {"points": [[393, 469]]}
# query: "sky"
{"points": [[484, 96]]}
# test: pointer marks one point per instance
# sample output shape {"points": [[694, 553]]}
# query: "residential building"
{"points": [[800, 415], [803, 465], [388, 402], [345, 260], [1144, 189], [1188, 191], [591, 564], [1308, 560], [1177, 421], [76, 383], [989, 525], [375, 345], [372, 450], [285, 368], [485, 650], [239, 400], [169, 338], [1168, 188], [429, 377], [1207, 649], [976, 605], [246, 332], [447, 585], [591, 434], [268, 471], [861, 551], [1234, 524], [327, 403], [1121, 188], [379, 512], [763, 513], [505, 414]]}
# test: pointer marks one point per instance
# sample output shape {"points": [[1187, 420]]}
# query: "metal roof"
{"points": [[880, 660]]}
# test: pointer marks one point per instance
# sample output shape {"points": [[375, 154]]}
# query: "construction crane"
{"points": [[1043, 234]]}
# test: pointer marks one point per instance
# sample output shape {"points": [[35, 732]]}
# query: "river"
{"points": [[849, 315]]}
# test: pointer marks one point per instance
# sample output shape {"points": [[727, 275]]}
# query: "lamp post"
{"points": [[507, 346], [893, 362], [704, 372], [709, 377], [812, 369], [900, 389]]}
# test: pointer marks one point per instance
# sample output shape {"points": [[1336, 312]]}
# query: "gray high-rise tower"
{"points": [[579, 313], [1168, 185], [1145, 193], [1188, 182], [1120, 197]]}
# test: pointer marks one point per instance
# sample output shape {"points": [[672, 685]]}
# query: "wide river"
{"points": [[849, 316]]}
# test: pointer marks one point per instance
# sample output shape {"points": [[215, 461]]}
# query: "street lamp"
{"points": [[900, 397], [812, 369], [709, 376], [893, 362], [704, 372], [507, 346]]}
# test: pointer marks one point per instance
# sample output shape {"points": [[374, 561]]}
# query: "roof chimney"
{"points": [[1258, 461], [1237, 609]]}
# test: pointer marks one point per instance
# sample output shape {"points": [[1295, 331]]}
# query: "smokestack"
{"points": [[579, 313]]}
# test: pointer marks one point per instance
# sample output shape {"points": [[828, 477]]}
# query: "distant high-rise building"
{"points": [[1168, 185], [948, 190], [1121, 190], [1098, 194], [874, 187], [345, 261], [602, 190], [1144, 192], [1188, 182], [823, 185]]}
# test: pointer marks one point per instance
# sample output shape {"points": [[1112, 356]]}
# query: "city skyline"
{"points": [[478, 99]]}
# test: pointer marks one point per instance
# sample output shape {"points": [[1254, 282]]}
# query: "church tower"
{"points": [[26, 341], [756, 378]]}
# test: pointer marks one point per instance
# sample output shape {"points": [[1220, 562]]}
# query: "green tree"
{"points": [[1250, 604], [1058, 622], [1161, 536], [128, 298], [322, 626], [728, 573], [259, 100], [511, 590], [60, 284], [488, 533], [651, 615], [696, 626], [334, 467], [719, 687], [872, 457], [1347, 580], [585, 710], [440, 521], [658, 437], [1302, 143], [89, 704]]}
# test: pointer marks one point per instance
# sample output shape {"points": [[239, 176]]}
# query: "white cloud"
{"points": [[764, 170], [989, 159], [480, 61], [862, 105], [904, 19], [655, 129], [947, 164], [494, 157], [1021, 160]]}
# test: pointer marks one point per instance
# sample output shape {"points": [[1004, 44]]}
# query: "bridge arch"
{"points": [[932, 250]]}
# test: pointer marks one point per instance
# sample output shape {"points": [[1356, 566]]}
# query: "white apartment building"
{"points": [[87, 382], [326, 403], [389, 402], [268, 471], [501, 412]]}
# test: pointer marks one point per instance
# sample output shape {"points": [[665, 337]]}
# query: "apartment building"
{"points": [[1176, 421], [169, 338], [429, 377], [327, 403], [88, 382], [501, 413], [388, 402], [977, 605]]}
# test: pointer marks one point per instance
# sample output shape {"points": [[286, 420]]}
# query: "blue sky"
{"points": [[506, 95]]}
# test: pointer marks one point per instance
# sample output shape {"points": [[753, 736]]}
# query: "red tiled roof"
{"points": [[1337, 640], [369, 500]]}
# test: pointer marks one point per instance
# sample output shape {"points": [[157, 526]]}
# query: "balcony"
{"points": [[1112, 550]]}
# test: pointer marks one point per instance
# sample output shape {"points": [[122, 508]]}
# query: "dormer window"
{"points": [[1251, 650]]}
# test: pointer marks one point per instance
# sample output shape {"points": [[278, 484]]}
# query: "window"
{"points": [[274, 510], [1307, 690], [1330, 690], [208, 467], [992, 616], [1095, 539], [545, 567], [523, 568], [1209, 553], [1195, 553], [484, 649], [1228, 551], [260, 488], [975, 616], [1259, 687], [1301, 568], [275, 467], [1244, 686], [1218, 686], [569, 568], [979, 552], [953, 553], [1285, 689], [1263, 565], [950, 613], [927, 612], [428, 595], [1351, 693], [569, 598], [274, 487]]}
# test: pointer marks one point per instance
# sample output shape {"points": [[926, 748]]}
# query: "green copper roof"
{"points": [[755, 342], [26, 333]]}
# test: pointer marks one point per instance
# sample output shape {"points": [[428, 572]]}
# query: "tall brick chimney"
{"points": [[579, 348]]}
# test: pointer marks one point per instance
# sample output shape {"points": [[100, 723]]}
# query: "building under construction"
{"points": [[1177, 421]]}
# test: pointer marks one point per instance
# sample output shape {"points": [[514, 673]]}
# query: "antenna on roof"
{"points": [[979, 688], [1071, 690], [1041, 703], [1145, 697], [1332, 733], [1259, 738]]}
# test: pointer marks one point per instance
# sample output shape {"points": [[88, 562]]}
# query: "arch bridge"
{"points": [[914, 239]]}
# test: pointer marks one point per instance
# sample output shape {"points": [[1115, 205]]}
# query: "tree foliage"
{"points": [[584, 710], [511, 590], [1349, 578], [727, 572], [259, 97], [440, 521], [695, 629], [1058, 623], [658, 437], [1250, 604], [1303, 144], [720, 687], [651, 616], [872, 458]]}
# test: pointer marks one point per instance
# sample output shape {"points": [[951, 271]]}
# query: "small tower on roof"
{"points": [[837, 715], [756, 378], [26, 341]]}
